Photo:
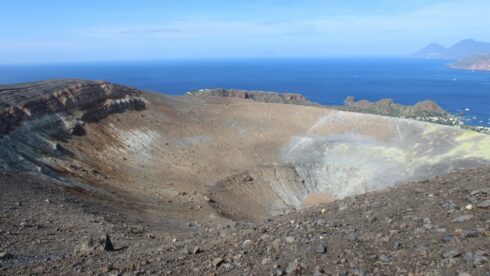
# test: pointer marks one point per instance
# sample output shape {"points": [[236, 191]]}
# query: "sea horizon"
{"points": [[325, 80]]}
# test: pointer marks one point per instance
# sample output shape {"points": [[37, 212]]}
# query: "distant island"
{"points": [[468, 54], [479, 62], [460, 50]]}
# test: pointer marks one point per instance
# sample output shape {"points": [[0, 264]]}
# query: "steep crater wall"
{"points": [[36, 117], [369, 157]]}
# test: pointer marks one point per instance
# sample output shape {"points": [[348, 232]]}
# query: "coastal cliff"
{"points": [[259, 96]]}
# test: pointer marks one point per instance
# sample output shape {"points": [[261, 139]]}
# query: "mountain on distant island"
{"points": [[460, 50], [431, 51], [479, 62]]}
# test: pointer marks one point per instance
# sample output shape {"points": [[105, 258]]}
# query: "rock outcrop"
{"points": [[37, 118], [259, 96], [88, 100], [422, 111], [389, 108]]}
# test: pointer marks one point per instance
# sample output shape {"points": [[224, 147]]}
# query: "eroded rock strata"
{"points": [[90, 100]]}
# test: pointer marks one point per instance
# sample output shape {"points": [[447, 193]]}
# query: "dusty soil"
{"points": [[439, 226], [317, 198]]}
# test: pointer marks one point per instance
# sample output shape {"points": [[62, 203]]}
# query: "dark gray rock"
{"points": [[108, 244], [320, 248], [483, 204], [447, 238], [470, 233], [4, 255], [451, 253]]}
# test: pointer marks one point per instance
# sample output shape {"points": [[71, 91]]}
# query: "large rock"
{"points": [[389, 108]]}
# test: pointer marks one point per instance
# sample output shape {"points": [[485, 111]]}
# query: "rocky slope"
{"points": [[260, 96], [36, 119], [88, 100], [440, 226], [188, 184], [479, 62]]}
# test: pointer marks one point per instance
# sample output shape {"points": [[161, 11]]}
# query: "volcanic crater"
{"points": [[172, 159]]}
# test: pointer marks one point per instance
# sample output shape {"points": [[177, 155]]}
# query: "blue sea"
{"points": [[323, 80]]}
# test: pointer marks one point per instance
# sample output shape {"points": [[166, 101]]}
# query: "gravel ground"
{"points": [[440, 226]]}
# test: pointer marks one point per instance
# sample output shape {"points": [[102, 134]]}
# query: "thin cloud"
{"points": [[302, 31], [151, 31], [388, 33]]}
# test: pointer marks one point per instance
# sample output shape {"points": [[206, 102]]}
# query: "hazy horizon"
{"points": [[183, 60], [61, 31]]}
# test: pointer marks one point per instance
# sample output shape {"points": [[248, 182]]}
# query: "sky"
{"points": [[33, 31]]}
